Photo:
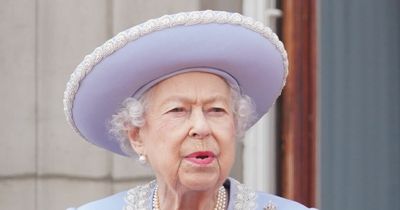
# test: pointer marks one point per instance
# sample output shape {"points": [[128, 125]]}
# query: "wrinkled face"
{"points": [[189, 134]]}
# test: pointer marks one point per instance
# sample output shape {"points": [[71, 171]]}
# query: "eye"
{"points": [[177, 112], [216, 110], [177, 109]]}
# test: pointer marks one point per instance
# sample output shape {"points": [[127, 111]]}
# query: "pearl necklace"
{"points": [[220, 205]]}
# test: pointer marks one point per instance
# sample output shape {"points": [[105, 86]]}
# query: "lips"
{"points": [[201, 157]]}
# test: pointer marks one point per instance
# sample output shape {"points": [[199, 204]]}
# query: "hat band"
{"points": [[228, 78]]}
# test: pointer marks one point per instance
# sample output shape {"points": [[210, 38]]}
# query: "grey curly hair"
{"points": [[131, 113]]}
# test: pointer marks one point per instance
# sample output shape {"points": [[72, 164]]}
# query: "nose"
{"points": [[199, 125]]}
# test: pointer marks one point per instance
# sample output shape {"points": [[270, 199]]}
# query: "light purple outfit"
{"points": [[240, 198]]}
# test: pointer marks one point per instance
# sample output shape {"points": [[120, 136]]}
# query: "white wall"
{"points": [[43, 164]]}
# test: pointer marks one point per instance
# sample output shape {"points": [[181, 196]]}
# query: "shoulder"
{"points": [[115, 201], [243, 197], [265, 200], [139, 197]]}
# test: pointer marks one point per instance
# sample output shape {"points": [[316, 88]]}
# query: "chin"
{"points": [[200, 182]]}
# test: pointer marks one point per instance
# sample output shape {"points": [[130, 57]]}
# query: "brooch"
{"points": [[270, 206]]}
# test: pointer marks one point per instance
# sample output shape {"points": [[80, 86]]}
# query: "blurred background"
{"points": [[332, 140]]}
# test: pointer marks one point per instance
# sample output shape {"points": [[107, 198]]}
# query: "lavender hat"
{"points": [[227, 44]]}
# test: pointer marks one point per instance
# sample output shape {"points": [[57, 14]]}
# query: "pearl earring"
{"points": [[142, 159]]}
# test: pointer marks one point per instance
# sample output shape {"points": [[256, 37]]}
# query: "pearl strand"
{"points": [[156, 202], [220, 205]]}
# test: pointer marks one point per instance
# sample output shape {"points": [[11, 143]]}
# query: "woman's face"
{"points": [[189, 134]]}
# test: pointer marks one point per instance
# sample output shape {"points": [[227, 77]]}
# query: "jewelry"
{"points": [[142, 159], [220, 205], [270, 206]]}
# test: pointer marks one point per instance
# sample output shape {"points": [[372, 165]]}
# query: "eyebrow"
{"points": [[185, 99]]}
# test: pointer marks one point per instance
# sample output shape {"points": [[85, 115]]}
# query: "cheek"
{"points": [[225, 134], [228, 152], [163, 142], [225, 131], [164, 159]]}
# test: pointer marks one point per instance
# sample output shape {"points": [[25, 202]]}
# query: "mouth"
{"points": [[201, 157]]}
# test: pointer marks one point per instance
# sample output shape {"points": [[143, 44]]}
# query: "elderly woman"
{"points": [[177, 92]]}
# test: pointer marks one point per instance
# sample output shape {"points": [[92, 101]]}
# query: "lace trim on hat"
{"points": [[166, 21]]}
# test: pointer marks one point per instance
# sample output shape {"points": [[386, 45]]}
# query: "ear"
{"points": [[136, 142]]}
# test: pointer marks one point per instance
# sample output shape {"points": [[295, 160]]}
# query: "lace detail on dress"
{"points": [[245, 197], [139, 198]]}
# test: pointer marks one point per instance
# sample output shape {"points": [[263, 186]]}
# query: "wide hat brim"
{"points": [[211, 40]]}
